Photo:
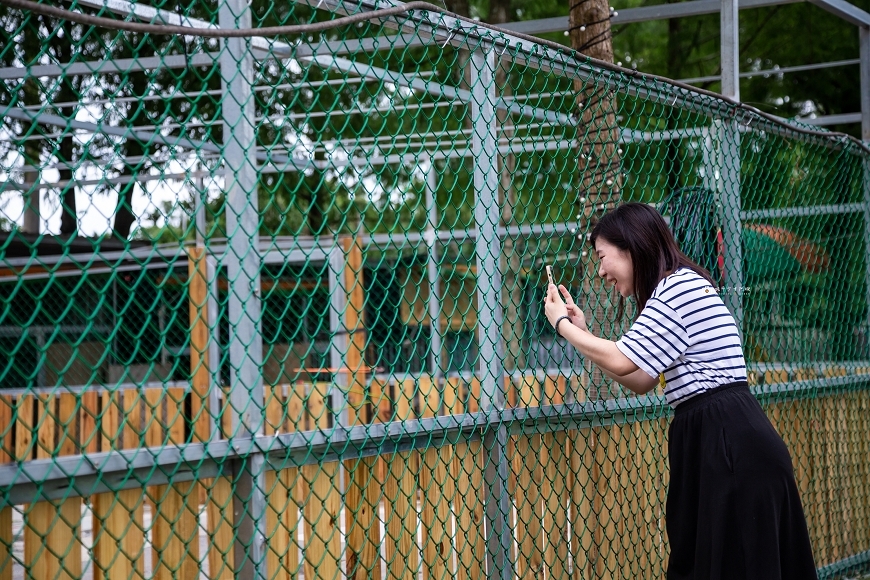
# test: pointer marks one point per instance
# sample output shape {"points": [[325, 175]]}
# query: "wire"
{"points": [[173, 29]]}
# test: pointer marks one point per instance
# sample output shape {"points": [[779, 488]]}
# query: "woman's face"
{"points": [[616, 267]]}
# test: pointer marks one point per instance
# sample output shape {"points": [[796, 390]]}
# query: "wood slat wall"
{"points": [[586, 503]]}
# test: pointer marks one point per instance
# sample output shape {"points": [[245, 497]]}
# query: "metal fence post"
{"points": [[727, 149], [434, 304], [729, 49], [246, 401], [728, 135], [214, 345], [484, 97], [338, 304], [864, 44]]}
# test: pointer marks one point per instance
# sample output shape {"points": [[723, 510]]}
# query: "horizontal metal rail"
{"points": [[778, 70], [61, 477], [641, 14], [837, 569], [784, 212]]}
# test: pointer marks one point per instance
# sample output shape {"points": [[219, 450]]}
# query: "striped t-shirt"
{"points": [[686, 332]]}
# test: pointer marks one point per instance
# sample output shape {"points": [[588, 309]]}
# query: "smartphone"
{"points": [[549, 274]]}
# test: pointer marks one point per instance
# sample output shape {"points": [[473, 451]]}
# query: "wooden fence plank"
{"points": [[400, 495], [555, 495], [200, 382], [321, 500], [89, 430], [364, 529], [154, 423], [322, 510], [451, 400], [436, 493], [118, 517], [354, 318], [175, 534], [7, 428], [282, 521], [6, 540], [470, 542], [174, 522], [219, 509], [25, 427], [529, 502], [51, 546]]}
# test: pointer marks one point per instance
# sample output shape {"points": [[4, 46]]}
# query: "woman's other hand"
{"points": [[578, 319]]}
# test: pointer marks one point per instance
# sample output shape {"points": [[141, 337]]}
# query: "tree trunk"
{"points": [[66, 151], [135, 155], [32, 149], [599, 161]]}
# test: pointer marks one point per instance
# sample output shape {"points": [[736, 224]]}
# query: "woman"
{"points": [[733, 509]]}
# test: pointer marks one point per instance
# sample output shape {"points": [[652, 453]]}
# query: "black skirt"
{"points": [[733, 508]]}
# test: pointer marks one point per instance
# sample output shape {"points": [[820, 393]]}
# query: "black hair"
{"points": [[640, 230]]}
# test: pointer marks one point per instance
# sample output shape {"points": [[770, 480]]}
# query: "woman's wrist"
{"points": [[559, 321]]}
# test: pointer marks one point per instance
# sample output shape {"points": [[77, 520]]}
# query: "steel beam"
{"points": [[840, 568], [776, 71], [436, 89], [484, 99], [245, 344], [846, 11], [786, 212], [434, 280], [726, 142], [283, 50], [864, 40], [111, 66], [145, 137], [864, 47], [447, 30], [825, 120], [729, 49], [642, 14], [146, 13]]}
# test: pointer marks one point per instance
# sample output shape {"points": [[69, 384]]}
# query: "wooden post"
{"points": [[321, 485], [437, 491], [6, 537], [200, 377], [118, 516], [51, 547], [353, 321], [400, 498], [176, 534], [364, 499], [470, 542]]}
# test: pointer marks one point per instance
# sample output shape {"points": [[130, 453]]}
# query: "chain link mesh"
{"points": [[273, 308]]}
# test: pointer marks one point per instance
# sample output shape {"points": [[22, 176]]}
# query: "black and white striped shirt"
{"points": [[686, 332]]}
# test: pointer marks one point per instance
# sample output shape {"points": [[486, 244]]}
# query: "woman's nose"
{"points": [[601, 271]]}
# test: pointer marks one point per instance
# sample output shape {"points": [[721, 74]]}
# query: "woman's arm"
{"points": [[602, 352], [638, 382]]}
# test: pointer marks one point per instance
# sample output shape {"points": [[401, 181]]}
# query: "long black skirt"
{"points": [[733, 508]]}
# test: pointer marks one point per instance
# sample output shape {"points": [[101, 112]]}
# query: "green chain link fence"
{"points": [[271, 308]]}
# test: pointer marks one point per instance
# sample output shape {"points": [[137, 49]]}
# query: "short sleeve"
{"points": [[656, 339]]}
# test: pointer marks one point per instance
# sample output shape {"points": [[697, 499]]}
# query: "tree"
{"points": [[598, 150]]}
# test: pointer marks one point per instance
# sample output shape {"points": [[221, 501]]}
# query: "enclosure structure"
{"points": [[326, 357]]}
